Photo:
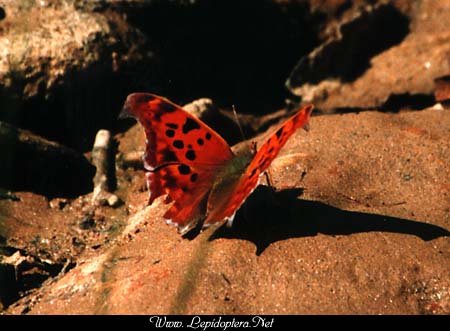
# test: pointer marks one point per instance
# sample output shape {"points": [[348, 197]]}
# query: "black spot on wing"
{"points": [[200, 141], [178, 144], [266, 163], [194, 177], [253, 173], [261, 161], [184, 169], [170, 133], [167, 107], [169, 156], [271, 150], [190, 155], [172, 125], [279, 132], [190, 125], [208, 136], [157, 116]]}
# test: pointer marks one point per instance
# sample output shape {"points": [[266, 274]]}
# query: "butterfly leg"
{"points": [[272, 192]]}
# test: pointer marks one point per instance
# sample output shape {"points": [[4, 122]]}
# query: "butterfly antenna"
{"points": [[236, 119]]}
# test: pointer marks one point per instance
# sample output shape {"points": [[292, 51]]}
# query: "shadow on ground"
{"points": [[268, 217]]}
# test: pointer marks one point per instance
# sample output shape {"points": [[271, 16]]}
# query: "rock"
{"points": [[9, 291], [131, 159], [113, 201], [104, 162], [221, 121], [368, 65], [201, 107], [22, 273], [5, 194], [63, 71], [442, 91], [58, 203], [30, 162]]}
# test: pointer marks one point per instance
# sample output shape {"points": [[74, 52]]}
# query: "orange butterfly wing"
{"points": [[182, 156], [218, 208]]}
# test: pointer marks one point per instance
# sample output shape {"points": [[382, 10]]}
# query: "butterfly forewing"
{"points": [[174, 135], [182, 154]]}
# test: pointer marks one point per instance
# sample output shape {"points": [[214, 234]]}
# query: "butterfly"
{"points": [[193, 166]]}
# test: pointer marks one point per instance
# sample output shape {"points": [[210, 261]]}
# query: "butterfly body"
{"points": [[226, 182], [194, 167], [235, 167]]}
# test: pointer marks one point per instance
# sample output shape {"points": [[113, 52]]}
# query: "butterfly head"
{"points": [[244, 149]]}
